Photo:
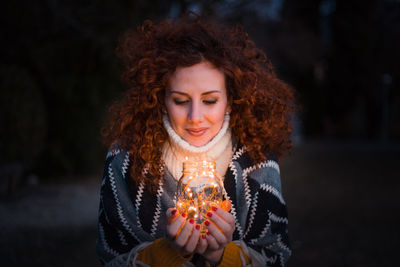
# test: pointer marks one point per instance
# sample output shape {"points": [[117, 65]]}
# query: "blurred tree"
{"points": [[353, 74], [302, 58], [23, 121], [67, 51], [306, 13], [387, 19]]}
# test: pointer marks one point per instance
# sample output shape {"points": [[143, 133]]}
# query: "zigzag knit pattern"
{"points": [[130, 215]]}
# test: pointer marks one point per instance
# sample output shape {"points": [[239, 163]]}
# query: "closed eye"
{"points": [[180, 102], [210, 102]]}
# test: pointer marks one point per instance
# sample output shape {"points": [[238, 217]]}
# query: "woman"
{"points": [[196, 89]]}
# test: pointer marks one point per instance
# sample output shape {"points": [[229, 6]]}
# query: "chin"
{"points": [[198, 143]]}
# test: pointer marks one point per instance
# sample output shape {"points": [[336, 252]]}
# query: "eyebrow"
{"points": [[205, 93]]}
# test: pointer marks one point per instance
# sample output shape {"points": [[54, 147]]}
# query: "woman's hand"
{"points": [[183, 234], [220, 225]]}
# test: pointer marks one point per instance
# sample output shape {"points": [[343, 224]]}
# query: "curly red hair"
{"points": [[261, 104]]}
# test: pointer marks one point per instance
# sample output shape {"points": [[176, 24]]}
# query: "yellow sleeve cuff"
{"points": [[160, 253], [233, 256]]}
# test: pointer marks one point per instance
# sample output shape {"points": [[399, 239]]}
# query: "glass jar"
{"points": [[199, 188]]}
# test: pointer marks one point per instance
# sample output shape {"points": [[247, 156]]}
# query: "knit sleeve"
{"points": [[261, 222], [267, 222], [116, 233]]}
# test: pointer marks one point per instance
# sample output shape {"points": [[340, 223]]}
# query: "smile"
{"points": [[196, 131]]}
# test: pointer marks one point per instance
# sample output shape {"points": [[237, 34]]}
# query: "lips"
{"points": [[196, 131]]}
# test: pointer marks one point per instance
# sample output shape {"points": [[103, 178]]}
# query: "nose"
{"points": [[195, 114]]}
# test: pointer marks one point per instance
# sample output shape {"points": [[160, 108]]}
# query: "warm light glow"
{"points": [[192, 208]]}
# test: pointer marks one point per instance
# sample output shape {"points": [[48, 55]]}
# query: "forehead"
{"points": [[199, 78]]}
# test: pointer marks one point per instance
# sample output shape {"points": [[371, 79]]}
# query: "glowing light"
{"points": [[192, 208]]}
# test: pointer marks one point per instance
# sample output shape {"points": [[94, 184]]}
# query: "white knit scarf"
{"points": [[218, 149]]}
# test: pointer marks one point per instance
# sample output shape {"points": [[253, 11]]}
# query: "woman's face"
{"points": [[196, 102]]}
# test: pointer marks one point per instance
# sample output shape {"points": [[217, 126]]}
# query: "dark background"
{"points": [[59, 73]]}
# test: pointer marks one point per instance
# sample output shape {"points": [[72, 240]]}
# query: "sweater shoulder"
{"points": [[266, 172], [117, 156], [116, 165]]}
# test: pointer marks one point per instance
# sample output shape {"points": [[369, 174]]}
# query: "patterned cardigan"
{"points": [[129, 215]]}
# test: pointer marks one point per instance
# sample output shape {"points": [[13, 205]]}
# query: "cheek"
{"points": [[220, 120], [219, 114], [176, 116]]}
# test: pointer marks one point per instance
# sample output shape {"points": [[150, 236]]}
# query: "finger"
{"points": [[225, 215], [174, 227], [202, 244], [182, 237], [172, 214], [219, 236], [193, 240], [219, 225], [212, 242]]}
